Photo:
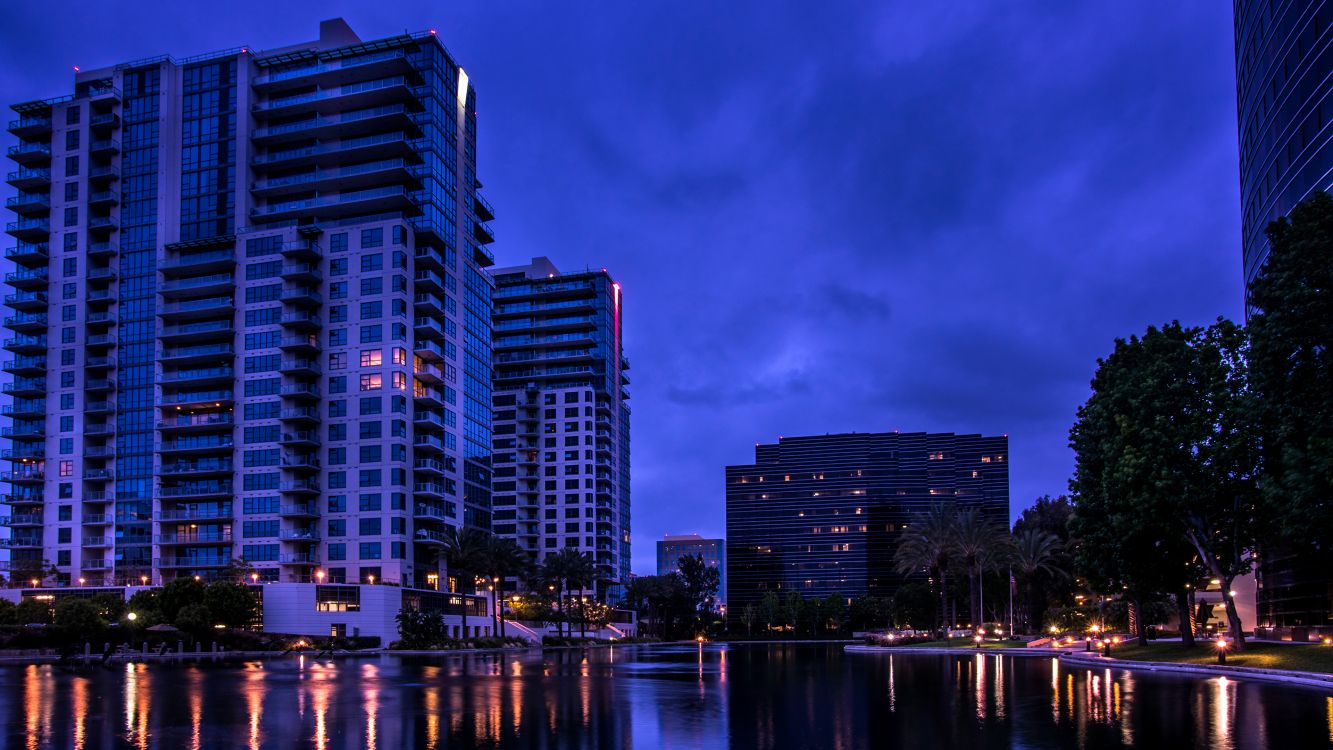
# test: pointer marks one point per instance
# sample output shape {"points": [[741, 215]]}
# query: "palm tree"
{"points": [[569, 569], [978, 543], [464, 551], [503, 559], [927, 544], [1036, 553]]}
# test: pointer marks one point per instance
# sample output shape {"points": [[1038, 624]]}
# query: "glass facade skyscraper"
{"points": [[1284, 100], [249, 318]]}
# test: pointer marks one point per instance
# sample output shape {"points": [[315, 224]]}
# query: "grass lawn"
{"points": [[1302, 657], [963, 643]]}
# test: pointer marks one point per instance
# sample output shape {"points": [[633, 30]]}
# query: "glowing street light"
{"points": [[1222, 646], [977, 639], [132, 616]]}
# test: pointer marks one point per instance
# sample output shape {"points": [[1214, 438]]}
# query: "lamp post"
{"points": [[1222, 650]]}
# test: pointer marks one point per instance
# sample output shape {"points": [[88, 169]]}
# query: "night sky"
{"points": [[858, 218]]}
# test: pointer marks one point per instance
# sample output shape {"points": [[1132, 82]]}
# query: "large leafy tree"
{"points": [[927, 544], [463, 553], [1132, 465], [1291, 369], [569, 570], [1036, 558], [502, 560], [701, 582]]}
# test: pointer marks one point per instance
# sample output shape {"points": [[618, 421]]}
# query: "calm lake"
{"points": [[778, 696]]}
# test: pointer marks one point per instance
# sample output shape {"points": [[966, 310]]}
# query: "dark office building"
{"points": [[1284, 76], [1284, 73], [821, 515]]}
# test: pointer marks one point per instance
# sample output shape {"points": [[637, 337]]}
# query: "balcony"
{"points": [[299, 535], [429, 372], [198, 376], [302, 249], [215, 398], [197, 286], [298, 271], [26, 344], [28, 253], [300, 344], [96, 385], [205, 331], [300, 439], [300, 487], [300, 463], [429, 466], [301, 321], [199, 444], [102, 250], [96, 542], [36, 278], [348, 151], [23, 496], [29, 230], [29, 178], [26, 322], [99, 452], [102, 224], [349, 96], [34, 453], [21, 542], [194, 563], [29, 204], [431, 512], [334, 72], [482, 233], [100, 341], [104, 199], [25, 388], [100, 297], [99, 363], [25, 431], [396, 171], [429, 280], [424, 418], [199, 262], [97, 519], [299, 510], [216, 512], [101, 320], [29, 126], [107, 121], [427, 350], [30, 475], [201, 467], [103, 175], [28, 154], [428, 327], [98, 429], [300, 391], [347, 124], [482, 207], [24, 409], [197, 308], [429, 489], [99, 407], [22, 520], [346, 203], [98, 475], [300, 415], [299, 558], [208, 422], [194, 537], [428, 444], [98, 496], [428, 304], [428, 397], [196, 490], [104, 147], [299, 366], [301, 295]]}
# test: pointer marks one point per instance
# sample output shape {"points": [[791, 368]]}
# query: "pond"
{"points": [[764, 696]]}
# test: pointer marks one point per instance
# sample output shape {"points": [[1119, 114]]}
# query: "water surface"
{"points": [[778, 696]]}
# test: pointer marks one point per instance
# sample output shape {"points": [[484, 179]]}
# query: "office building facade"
{"points": [[249, 318], [1284, 76], [561, 433], [713, 551], [1284, 92], [821, 515]]}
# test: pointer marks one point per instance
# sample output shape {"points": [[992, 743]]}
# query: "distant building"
{"points": [[713, 551], [561, 431], [821, 515]]}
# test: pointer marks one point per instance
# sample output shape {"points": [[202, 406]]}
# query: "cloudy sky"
{"points": [[826, 217]]}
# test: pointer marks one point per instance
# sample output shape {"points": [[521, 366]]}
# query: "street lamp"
{"points": [[254, 578], [132, 616], [319, 576], [371, 578], [82, 580], [977, 640]]}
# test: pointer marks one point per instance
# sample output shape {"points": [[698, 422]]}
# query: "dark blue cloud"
{"points": [[860, 216]]}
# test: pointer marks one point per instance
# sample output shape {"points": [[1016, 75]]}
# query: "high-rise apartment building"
{"points": [[822, 515], [561, 433], [713, 552], [249, 318], [1284, 73]]}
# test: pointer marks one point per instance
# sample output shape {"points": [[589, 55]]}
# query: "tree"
{"points": [[503, 559], [421, 628], [870, 612], [1051, 515], [1035, 557], [927, 544], [1291, 367], [569, 569], [78, 618], [8, 612], [109, 606], [33, 612], [770, 610], [914, 606], [749, 616], [194, 619], [462, 553], [833, 612], [178, 594], [231, 604], [1134, 444], [701, 582], [977, 542], [146, 607]]}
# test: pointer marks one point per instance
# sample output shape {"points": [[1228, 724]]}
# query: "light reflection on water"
{"points": [[662, 697]]}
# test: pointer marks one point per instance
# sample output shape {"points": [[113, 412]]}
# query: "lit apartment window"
{"points": [[371, 357]]}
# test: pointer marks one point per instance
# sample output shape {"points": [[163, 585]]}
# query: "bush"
{"points": [[78, 619]]}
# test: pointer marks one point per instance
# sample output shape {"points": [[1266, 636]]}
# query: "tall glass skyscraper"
{"points": [[1284, 97], [249, 318]]}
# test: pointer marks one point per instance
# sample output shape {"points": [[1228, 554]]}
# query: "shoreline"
{"points": [[1320, 680]]}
